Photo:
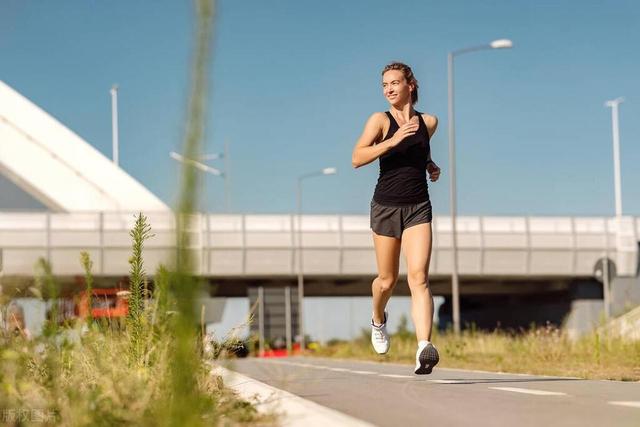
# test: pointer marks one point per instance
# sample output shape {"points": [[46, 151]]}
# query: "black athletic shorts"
{"points": [[391, 221]]}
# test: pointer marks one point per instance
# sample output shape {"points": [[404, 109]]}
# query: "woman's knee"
{"points": [[386, 282], [417, 278]]}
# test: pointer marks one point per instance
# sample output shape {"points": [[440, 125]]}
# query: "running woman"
{"points": [[401, 209]]}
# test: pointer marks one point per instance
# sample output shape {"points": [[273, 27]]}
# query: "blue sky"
{"points": [[292, 83]]}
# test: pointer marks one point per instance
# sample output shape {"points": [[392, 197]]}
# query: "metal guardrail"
{"points": [[265, 245]]}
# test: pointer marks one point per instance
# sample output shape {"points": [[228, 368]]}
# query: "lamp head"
{"points": [[614, 102], [329, 171], [501, 44]]}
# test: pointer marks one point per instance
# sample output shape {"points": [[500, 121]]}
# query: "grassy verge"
{"points": [[542, 351], [85, 371]]}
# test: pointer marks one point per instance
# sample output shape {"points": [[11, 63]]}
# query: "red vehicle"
{"points": [[105, 303]]}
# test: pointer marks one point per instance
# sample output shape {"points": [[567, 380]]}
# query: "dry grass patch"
{"points": [[539, 350]]}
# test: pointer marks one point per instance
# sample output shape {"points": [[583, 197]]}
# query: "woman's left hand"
{"points": [[434, 171]]}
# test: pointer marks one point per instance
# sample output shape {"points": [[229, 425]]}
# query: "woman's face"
{"points": [[395, 88]]}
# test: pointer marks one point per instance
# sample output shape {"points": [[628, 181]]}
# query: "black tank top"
{"points": [[403, 175]]}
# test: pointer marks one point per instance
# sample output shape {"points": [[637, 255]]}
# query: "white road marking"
{"points": [[512, 389], [530, 391], [308, 365], [404, 365], [632, 404], [301, 365]]}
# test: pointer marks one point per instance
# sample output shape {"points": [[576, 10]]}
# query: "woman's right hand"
{"points": [[406, 130]]}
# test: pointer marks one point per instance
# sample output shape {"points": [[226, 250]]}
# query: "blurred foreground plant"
{"points": [[149, 371], [82, 373]]}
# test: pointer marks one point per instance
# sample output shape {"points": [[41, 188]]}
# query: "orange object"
{"points": [[105, 303], [282, 352]]}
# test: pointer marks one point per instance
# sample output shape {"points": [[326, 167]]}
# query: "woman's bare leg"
{"points": [[416, 246], [388, 261]]}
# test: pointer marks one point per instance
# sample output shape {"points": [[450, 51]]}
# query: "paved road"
{"points": [[388, 394]]}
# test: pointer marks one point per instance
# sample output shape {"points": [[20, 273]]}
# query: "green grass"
{"points": [[540, 350]]}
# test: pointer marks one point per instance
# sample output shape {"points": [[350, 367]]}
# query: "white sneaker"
{"points": [[379, 336], [426, 358]]}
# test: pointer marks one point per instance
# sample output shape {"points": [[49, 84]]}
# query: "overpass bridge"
{"points": [[517, 269], [264, 246]]}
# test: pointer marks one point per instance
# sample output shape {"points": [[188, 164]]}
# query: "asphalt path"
{"points": [[388, 394]]}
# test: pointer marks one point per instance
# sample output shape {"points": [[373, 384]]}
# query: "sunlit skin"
{"points": [[415, 242]]}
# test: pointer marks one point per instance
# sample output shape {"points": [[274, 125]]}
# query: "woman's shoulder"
{"points": [[379, 118], [430, 119], [379, 115]]}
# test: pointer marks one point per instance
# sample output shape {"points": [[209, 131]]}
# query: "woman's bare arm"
{"points": [[368, 148], [432, 168], [431, 122]]}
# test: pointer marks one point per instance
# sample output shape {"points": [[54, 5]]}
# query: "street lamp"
{"points": [[225, 158], [196, 164], [114, 123], [213, 156], [614, 103], [455, 287], [325, 171], [210, 170], [617, 182]]}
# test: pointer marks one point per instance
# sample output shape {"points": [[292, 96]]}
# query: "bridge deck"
{"points": [[265, 245]]}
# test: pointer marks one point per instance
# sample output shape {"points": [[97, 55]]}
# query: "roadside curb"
{"points": [[294, 410]]}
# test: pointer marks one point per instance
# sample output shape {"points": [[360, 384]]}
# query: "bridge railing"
{"points": [[259, 245]]}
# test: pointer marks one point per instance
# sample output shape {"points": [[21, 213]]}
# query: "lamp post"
{"points": [[114, 123], [198, 165], [210, 170], [617, 181], [617, 184], [455, 287], [325, 171], [227, 176]]}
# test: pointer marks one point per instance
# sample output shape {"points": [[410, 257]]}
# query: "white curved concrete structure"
{"points": [[58, 168]]}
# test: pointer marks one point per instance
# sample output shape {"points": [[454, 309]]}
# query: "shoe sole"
{"points": [[428, 359], [377, 352]]}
